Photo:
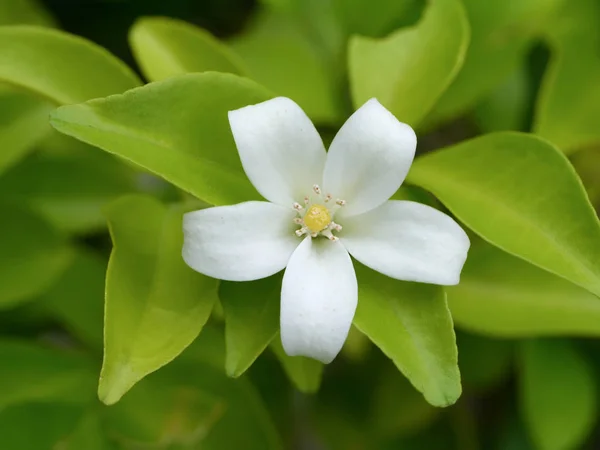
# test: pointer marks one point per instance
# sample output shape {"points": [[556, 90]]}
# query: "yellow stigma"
{"points": [[317, 218]]}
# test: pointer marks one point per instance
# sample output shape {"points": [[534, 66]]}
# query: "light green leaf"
{"points": [[75, 70], [569, 99], [251, 320], [521, 194], [557, 395], [69, 191], [155, 304], [411, 324], [501, 35], [408, 70], [277, 54], [177, 128], [32, 255], [31, 372], [23, 122], [77, 298], [501, 295], [166, 47], [29, 12], [587, 165], [305, 373]]}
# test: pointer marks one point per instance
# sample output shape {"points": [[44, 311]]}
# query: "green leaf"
{"points": [[305, 373], [75, 69], [23, 123], [557, 395], [501, 295], [569, 97], [166, 47], [88, 434], [29, 12], [501, 35], [521, 194], [32, 255], [411, 324], [77, 298], [251, 320], [31, 372], [177, 128], [278, 55], [408, 70], [69, 190], [587, 165], [155, 304]]}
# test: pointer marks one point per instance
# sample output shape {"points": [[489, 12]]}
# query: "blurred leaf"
{"points": [[397, 407], [31, 12], [69, 191], [33, 255], [507, 106], [166, 47], [74, 69], [408, 70], [31, 372], [558, 395], [411, 324], [77, 298], [197, 405], [177, 128], [155, 304], [279, 56], [569, 98], [501, 295], [501, 35], [521, 194], [587, 165], [484, 362], [23, 122], [251, 320], [88, 435], [375, 18], [305, 373]]}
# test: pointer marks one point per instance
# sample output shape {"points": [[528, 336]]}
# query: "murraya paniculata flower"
{"points": [[321, 208]]}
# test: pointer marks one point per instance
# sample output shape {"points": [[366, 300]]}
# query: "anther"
{"points": [[306, 200], [328, 197], [340, 202], [317, 189], [314, 235], [298, 207], [298, 221], [335, 226], [301, 231]]}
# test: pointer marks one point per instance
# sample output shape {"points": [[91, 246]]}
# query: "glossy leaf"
{"points": [[569, 98], [166, 47], [278, 55], [558, 395], [75, 69], [305, 373], [23, 122], [177, 128], [408, 70], [521, 194], [29, 12], [501, 35], [155, 304], [32, 255], [501, 295], [251, 320], [411, 324], [32, 372]]}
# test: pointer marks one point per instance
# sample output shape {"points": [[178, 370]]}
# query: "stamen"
{"points": [[340, 202], [302, 231], [329, 235], [314, 235], [306, 200], [298, 221], [317, 189], [298, 207], [327, 198], [335, 226]]}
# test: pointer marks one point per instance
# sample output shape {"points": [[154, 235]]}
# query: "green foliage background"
{"points": [[113, 123]]}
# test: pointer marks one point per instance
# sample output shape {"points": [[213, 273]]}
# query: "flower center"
{"points": [[317, 218]]}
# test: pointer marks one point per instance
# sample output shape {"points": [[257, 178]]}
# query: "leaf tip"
{"points": [[114, 384]]}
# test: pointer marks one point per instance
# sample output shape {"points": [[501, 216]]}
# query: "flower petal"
{"points": [[408, 241], [369, 158], [242, 242], [318, 300], [281, 150]]}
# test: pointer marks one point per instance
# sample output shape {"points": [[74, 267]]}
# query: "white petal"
{"points": [[318, 300], [368, 158], [408, 241], [281, 150], [242, 242]]}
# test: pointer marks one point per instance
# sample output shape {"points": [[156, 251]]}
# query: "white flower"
{"points": [[323, 207]]}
